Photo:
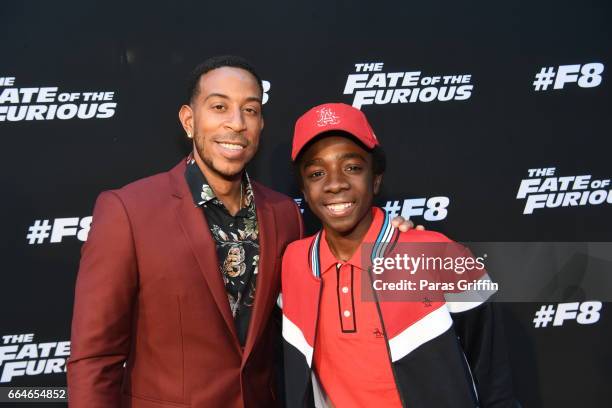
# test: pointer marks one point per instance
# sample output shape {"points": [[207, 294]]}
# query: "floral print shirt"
{"points": [[237, 242]]}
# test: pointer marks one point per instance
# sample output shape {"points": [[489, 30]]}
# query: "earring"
{"points": [[189, 135]]}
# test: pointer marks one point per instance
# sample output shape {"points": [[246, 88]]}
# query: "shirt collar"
{"points": [[202, 193], [327, 258]]}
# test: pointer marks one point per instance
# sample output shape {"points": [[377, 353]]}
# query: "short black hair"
{"points": [[215, 62], [379, 158]]}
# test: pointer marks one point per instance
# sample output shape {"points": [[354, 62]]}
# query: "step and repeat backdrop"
{"points": [[495, 117]]}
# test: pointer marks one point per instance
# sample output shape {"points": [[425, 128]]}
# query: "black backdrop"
{"points": [[474, 152]]}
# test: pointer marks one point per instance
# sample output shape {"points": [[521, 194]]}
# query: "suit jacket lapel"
{"points": [[266, 279], [195, 227]]}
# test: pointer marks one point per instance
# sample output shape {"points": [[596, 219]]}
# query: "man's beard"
{"points": [[226, 174]]}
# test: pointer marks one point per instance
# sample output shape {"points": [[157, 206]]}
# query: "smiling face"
{"points": [[339, 184], [225, 120]]}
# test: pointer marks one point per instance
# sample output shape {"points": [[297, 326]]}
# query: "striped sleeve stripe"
{"points": [[294, 336], [469, 299], [383, 239], [314, 256], [419, 333]]}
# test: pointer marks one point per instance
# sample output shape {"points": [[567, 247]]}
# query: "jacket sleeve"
{"points": [[106, 288], [480, 331]]}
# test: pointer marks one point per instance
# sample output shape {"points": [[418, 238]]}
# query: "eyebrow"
{"points": [[341, 156], [311, 162], [219, 95], [350, 156]]}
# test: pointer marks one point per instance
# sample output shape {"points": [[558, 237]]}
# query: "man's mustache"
{"points": [[235, 138]]}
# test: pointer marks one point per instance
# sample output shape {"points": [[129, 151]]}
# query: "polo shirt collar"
{"points": [[327, 258]]}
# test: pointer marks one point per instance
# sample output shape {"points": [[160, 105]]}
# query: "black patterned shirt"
{"points": [[237, 243]]}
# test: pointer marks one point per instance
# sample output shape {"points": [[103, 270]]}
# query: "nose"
{"points": [[336, 182], [235, 120]]}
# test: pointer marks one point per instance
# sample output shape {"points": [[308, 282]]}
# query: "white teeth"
{"points": [[231, 146], [339, 207]]}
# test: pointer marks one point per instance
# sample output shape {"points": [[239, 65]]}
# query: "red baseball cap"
{"points": [[332, 116]]}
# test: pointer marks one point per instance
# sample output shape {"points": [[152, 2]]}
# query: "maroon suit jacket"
{"points": [[152, 325]]}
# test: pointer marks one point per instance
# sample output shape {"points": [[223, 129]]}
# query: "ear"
{"points": [[186, 118], [377, 183]]}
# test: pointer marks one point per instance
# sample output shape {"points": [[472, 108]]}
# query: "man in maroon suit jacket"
{"points": [[156, 323]]}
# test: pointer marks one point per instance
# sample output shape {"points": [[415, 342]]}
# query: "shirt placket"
{"points": [[346, 297]]}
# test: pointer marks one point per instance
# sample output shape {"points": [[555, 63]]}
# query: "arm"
{"points": [[478, 323], [481, 334], [105, 292]]}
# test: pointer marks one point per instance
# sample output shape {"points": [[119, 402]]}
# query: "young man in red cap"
{"points": [[343, 351]]}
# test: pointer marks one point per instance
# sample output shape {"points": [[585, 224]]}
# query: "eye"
{"points": [[250, 110], [218, 107], [315, 174], [354, 168]]}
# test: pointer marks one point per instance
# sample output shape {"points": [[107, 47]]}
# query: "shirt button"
{"points": [[347, 313], [344, 289]]}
